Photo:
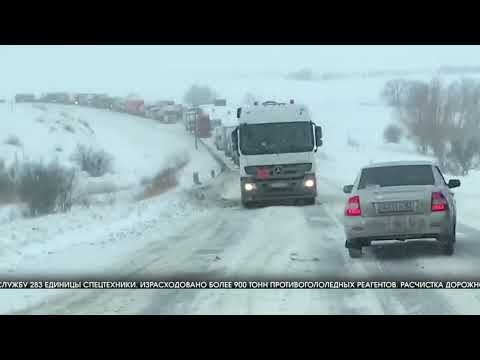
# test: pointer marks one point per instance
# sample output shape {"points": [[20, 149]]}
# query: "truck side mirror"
{"points": [[235, 140], [239, 112], [318, 136]]}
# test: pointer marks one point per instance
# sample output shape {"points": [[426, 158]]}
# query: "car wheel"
{"points": [[355, 253], [448, 248], [448, 243], [247, 204], [455, 232]]}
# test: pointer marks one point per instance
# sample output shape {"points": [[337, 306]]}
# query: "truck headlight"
{"points": [[249, 187], [309, 183]]}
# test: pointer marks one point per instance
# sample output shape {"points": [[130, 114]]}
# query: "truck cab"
{"points": [[275, 144]]}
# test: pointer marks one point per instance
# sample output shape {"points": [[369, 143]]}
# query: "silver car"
{"points": [[400, 201]]}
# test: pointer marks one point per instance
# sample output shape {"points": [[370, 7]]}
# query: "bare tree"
{"points": [[445, 120], [200, 95], [392, 134], [305, 74], [394, 92], [249, 99], [412, 114]]}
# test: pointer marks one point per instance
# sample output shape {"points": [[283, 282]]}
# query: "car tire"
{"points": [[448, 248], [448, 243], [455, 232], [247, 204], [355, 252]]}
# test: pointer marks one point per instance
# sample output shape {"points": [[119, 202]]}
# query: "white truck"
{"points": [[227, 122], [276, 144]]}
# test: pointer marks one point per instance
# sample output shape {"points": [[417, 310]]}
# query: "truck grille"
{"points": [[281, 171]]}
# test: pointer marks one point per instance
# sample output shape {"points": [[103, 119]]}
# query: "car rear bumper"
{"points": [[266, 190], [399, 227]]}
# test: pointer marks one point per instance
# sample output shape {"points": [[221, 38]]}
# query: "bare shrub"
{"points": [[40, 107], [95, 186], [352, 142], [394, 92], [392, 134], [250, 99], [86, 125], [200, 95], [45, 188], [463, 155], [7, 186], [145, 181], [164, 180], [69, 128], [82, 200], [110, 199], [13, 140], [95, 162], [305, 74]]}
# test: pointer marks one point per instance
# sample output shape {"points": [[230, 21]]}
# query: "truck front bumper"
{"points": [[278, 189]]}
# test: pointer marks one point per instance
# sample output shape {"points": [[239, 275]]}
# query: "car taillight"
{"points": [[353, 206], [439, 203]]}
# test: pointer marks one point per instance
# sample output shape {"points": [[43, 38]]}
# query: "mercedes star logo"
{"points": [[278, 170]]}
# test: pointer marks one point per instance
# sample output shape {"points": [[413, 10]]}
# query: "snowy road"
{"points": [[227, 241]]}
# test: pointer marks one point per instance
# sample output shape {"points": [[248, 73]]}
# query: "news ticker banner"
{"points": [[239, 284]]}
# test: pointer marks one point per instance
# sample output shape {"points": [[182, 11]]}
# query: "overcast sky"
{"points": [[102, 68]]}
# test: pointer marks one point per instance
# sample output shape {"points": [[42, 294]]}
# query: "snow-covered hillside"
{"points": [[140, 147], [95, 235]]}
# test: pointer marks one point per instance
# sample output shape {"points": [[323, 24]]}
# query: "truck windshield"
{"points": [[276, 138]]}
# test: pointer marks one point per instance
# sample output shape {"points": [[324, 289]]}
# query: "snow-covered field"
{"points": [[177, 233]]}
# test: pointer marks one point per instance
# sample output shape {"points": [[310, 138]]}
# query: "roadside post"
{"points": [[196, 129]]}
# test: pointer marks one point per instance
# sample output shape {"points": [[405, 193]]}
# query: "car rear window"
{"points": [[397, 176]]}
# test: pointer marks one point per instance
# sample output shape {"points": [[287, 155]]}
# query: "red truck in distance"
{"points": [[135, 106]]}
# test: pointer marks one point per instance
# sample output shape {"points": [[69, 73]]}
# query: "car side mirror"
{"points": [[454, 183], [239, 112], [347, 189], [318, 136]]}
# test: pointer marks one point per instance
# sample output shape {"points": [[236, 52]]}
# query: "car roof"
{"points": [[400, 163]]}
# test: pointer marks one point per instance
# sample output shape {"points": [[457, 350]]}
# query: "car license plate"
{"points": [[396, 207], [278, 185], [400, 225]]}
